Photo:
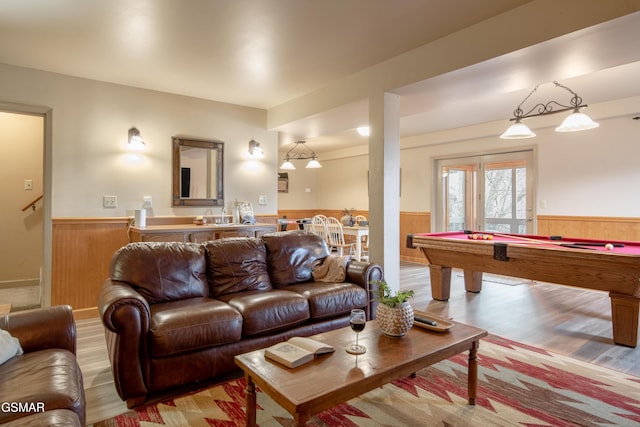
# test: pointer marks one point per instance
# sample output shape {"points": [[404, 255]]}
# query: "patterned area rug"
{"points": [[517, 385]]}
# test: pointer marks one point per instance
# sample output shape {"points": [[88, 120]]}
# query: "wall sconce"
{"points": [[576, 121], [136, 142], [300, 152], [255, 151]]}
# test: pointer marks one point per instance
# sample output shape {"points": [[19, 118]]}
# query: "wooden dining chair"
{"points": [[335, 238], [319, 226], [358, 218]]}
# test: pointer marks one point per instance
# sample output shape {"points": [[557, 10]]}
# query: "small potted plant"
{"points": [[347, 217], [394, 313]]}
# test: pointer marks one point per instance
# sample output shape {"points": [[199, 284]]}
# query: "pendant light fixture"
{"points": [[576, 121], [300, 151]]}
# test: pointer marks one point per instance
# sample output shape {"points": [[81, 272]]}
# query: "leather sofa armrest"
{"points": [[125, 315], [113, 296], [362, 274], [42, 328]]}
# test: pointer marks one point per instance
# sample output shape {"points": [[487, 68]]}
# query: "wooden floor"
{"points": [[560, 319]]}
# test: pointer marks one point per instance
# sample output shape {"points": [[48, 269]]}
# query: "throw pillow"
{"points": [[9, 346], [333, 269]]}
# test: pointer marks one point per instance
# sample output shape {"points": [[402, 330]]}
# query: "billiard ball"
{"points": [[608, 247]]}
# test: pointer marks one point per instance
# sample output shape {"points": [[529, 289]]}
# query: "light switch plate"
{"points": [[109, 202], [262, 199]]}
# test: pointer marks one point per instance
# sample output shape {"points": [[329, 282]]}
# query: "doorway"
{"points": [[490, 192], [22, 166]]}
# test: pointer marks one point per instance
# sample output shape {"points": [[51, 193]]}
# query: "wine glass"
{"points": [[357, 321]]}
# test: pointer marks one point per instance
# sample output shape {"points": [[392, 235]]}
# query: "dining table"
{"points": [[358, 232]]}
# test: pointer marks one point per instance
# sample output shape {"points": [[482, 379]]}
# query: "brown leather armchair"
{"points": [[43, 386]]}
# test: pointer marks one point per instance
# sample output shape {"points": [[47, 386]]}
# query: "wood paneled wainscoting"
{"points": [[81, 254], [82, 249], [410, 222], [590, 227]]}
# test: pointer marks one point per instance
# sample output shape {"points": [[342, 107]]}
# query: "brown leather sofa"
{"points": [[178, 313], [43, 386]]}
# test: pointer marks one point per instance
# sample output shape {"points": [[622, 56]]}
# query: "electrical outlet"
{"points": [[262, 200], [147, 202], [109, 202]]}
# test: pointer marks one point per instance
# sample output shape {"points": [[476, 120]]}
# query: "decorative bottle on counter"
{"points": [[236, 215]]}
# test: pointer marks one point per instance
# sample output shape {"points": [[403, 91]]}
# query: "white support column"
{"points": [[384, 184]]}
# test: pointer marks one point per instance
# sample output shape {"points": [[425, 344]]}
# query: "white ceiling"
{"points": [[262, 53], [600, 63]]}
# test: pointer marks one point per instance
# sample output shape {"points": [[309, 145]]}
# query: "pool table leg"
{"points": [[624, 316], [472, 281], [440, 282]]}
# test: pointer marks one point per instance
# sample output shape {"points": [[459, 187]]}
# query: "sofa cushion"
{"points": [[51, 377], [191, 324], [268, 311], [331, 299], [293, 255], [236, 264], [162, 271]]}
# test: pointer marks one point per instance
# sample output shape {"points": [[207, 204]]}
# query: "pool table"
{"points": [[562, 260]]}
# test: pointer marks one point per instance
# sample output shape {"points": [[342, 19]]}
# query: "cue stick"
{"points": [[527, 239], [615, 245], [577, 245]]}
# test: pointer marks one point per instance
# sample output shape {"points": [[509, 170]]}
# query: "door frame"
{"points": [[436, 207], [47, 114]]}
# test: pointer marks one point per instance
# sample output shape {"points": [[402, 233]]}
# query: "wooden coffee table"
{"points": [[337, 377]]}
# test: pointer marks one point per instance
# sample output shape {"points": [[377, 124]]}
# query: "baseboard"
{"points": [[8, 284], [86, 313]]}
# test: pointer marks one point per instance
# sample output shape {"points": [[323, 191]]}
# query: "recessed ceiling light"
{"points": [[364, 130]]}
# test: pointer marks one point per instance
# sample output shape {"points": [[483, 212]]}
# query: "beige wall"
{"points": [[303, 189], [591, 173], [90, 120], [340, 183], [86, 156], [21, 143]]}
